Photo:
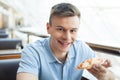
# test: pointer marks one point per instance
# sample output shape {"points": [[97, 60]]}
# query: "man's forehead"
{"points": [[66, 20]]}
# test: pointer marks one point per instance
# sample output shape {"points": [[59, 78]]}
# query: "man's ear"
{"points": [[48, 28]]}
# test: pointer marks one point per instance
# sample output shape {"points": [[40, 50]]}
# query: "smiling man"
{"points": [[56, 57]]}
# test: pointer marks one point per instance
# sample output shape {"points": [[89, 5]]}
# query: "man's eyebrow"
{"points": [[60, 26], [63, 27], [74, 28]]}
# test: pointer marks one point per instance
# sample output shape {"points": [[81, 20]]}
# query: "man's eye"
{"points": [[60, 29], [73, 30]]}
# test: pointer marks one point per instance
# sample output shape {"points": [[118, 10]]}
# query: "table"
{"points": [[10, 54]]}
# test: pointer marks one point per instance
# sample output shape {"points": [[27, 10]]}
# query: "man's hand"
{"points": [[101, 72]]}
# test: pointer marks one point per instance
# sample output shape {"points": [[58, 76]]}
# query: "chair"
{"points": [[10, 43], [3, 35], [8, 69]]}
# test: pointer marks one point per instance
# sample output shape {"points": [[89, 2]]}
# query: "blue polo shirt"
{"points": [[38, 59]]}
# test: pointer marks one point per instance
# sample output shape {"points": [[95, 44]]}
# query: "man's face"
{"points": [[63, 31]]}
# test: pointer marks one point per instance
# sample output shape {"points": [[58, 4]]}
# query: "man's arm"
{"points": [[26, 76]]}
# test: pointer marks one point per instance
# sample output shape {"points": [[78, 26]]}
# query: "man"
{"points": [[56, 57]]}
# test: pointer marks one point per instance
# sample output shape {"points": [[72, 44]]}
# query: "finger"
{"points": [[107, 63], [99, 68], [95, 68], [92, 70], [95, 71]]}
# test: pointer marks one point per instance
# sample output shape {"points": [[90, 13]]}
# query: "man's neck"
{"points": [[61, 56]]}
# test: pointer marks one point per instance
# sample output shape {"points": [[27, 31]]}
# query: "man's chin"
{"points": [[65, 50]]}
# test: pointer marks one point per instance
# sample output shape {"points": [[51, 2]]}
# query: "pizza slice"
{"points": [[87, 64]]}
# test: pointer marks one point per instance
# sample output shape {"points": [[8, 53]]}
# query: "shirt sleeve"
{"points": [[29, 61], [88, 51], [83, 51]]}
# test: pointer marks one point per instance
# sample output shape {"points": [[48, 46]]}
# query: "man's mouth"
{"points": [[64, 44]]}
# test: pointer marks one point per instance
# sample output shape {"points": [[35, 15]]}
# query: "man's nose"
{"points": [[67, 36]]}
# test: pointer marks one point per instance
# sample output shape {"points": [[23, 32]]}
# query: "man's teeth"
{"points": [[65, 43]]}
